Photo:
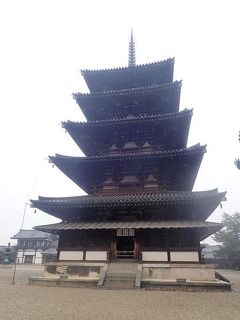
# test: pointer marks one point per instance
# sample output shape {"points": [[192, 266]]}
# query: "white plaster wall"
{"points": [[184, 256], [71, 255], [154, 256], [29, 253], [38, 260], [19, 258], [96, 255], [19, 254]]}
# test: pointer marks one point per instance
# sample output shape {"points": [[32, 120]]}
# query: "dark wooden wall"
{"points": [[168, 239], [86, 240], [148, 239]]}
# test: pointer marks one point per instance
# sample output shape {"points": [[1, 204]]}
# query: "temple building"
{"points": [[138, 172], [32, 244]]}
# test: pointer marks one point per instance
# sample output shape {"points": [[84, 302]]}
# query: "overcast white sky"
{"points": [[44, 44]]}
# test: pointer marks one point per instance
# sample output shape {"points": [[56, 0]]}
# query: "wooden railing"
{"points": [[140, 189], [125, 254]]}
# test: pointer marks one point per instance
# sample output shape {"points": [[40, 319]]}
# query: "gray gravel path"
{"points": [[20, 302]]}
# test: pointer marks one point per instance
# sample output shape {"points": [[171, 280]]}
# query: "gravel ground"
{"points": [[20, 301]]}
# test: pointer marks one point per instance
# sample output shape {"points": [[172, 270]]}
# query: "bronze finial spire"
{"points": [[131, 52]]}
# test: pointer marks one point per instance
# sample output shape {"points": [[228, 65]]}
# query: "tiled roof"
{"points": [[31, 234], [111, 93], [123, 78], [137, 67], [127, 224], [196, 149], [209, 227], [198, 205], [128, 199], [179, 167], [130, 120]]}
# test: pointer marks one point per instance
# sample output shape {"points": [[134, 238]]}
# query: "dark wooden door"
{"points": [[28, 259], [125, 247]]}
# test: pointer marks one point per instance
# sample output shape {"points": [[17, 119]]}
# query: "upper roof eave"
{"points": [[176, 84], [202, 203], [162, 154], [139, 66], [166, 196], [143, 118]]}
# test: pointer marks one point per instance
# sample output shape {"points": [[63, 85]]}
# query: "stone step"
{"points": [[127, 269], [121, 276], [123, 265], [119, 285], [121, 271], [119, 280], [119, 288], [118, 271]]}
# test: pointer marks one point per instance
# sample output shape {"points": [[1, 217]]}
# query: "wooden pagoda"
{"points": [[138, 172]]}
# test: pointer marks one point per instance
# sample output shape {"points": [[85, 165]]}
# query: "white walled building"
{"points": [[31, 244]]}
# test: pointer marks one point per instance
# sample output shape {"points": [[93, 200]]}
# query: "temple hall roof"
{"points": [[128, 77]]}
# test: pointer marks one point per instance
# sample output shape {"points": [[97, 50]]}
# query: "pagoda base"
{"points": [[151, 276], [187, 277], [173, 285], [54, 282], [71, 274]]}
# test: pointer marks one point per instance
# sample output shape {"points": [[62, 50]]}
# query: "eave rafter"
{"points": [[157, 99], [205, 229], [128, 77], [179, 167], [200, 204], [161, 131]]}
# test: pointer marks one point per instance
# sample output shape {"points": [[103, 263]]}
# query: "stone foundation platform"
{"points": [[151, 276]]}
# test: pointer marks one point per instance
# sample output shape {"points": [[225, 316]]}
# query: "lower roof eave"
{"points": [[205, 228], [69, 208]]}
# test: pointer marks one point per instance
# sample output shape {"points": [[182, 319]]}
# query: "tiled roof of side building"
{"points": [[31, 234]]}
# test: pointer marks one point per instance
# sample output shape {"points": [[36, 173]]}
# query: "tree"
{"points": [[229, 239], [237, 161]]}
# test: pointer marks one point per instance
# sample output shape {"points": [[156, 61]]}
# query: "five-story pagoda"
{"points": [[137, 171]]}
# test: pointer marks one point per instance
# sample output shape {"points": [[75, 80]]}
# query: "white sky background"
{"points": [[44, 44]]}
